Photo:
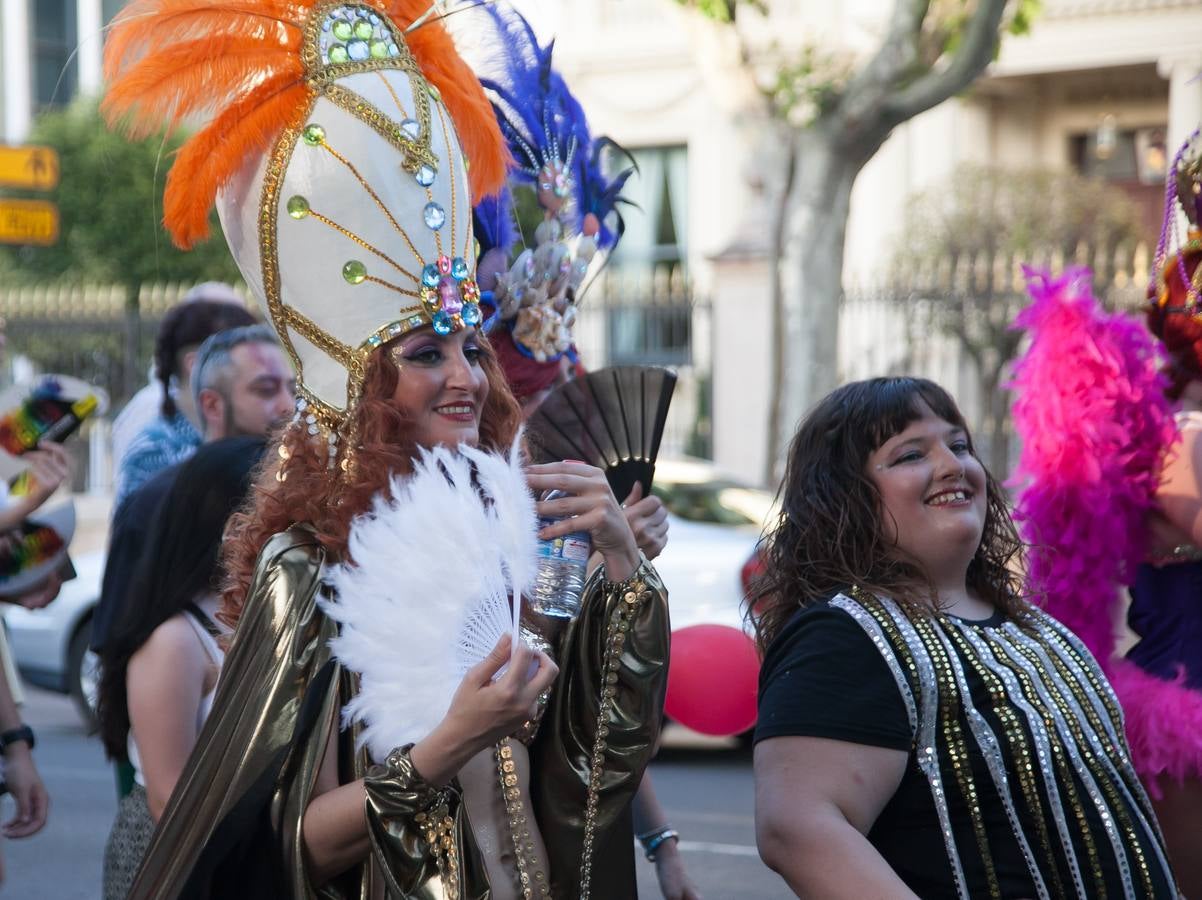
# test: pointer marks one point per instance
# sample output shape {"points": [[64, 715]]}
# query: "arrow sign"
{"points": [[27, 222], [32, 168]]}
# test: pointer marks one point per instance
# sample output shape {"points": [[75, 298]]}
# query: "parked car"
{"points": [[714, 525], [50, 645]]}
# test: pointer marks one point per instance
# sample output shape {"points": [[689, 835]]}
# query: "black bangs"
{"points": [[885, 407]]}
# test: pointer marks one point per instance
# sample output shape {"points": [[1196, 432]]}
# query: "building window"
{"points": [[1136, 155], [657, 230], [1134, 160], [649, 310], [55, 77]]}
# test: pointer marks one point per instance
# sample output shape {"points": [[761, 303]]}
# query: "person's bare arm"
{"points": [[22, 776], [815, 801], [1180, 490], [649, 815], [165, 682], [49, 467]]}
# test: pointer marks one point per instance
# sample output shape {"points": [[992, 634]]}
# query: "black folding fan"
{"points": [[612, 418]]}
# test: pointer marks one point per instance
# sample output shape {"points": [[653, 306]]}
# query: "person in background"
{"points": [[535, 300], [19, 772], [50, 467], [161, 663], [143, 407], [242, 385], [925, 731], [174, 434]]}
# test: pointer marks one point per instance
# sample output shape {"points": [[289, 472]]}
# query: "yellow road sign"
{"points": [[32, 168], [28, 222]]}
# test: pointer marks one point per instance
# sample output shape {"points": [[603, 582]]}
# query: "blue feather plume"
{"points": [[493, 222], [542, 120]]}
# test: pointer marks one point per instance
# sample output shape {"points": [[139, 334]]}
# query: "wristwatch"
{"points": [[7, 738]]}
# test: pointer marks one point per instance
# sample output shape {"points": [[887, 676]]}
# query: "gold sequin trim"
{"points": [[627, 598], [957, 747], [376, 198], [351, 236], [414, 153], [531, 876]]}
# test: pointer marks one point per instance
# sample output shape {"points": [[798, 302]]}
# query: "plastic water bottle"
{"points": [[562, 564]]}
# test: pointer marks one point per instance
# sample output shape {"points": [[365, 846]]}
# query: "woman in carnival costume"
{"points": [[532, 298], [372, 572], [923, 730], [1112, 495]]}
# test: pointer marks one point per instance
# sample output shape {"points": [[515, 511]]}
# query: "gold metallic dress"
{"points": [[233, 826]]}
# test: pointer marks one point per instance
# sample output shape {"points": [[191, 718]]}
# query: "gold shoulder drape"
{"points": [[233, 826]]}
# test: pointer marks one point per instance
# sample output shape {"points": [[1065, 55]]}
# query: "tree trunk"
{"points": [[778, 340], [997, 415], [811, 273]]}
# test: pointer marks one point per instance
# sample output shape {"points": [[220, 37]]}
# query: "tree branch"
{"points": [[981, 35], [897, 55]]}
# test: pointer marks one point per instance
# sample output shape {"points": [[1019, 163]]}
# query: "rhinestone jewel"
{"points": [[459, 268], [342, 29], [448, 292], [434, 216], [314, 135], [363, 29], [471, 314], [444, 265], [338, 54], [425, 175], [430, 275], [443, 323], [354, 272], [412, 128], [358, 51], [379, 50], [298, 207]]}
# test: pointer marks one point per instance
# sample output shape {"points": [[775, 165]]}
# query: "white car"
{"points": [[50, 645], [714, 524]]}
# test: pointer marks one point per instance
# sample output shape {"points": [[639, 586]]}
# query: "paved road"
{"points": [[707, 793]]}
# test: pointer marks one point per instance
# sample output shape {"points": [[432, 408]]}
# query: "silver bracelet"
{"points": [[651, 840]]}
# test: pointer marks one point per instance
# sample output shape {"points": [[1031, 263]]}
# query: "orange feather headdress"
{"points": [[337, 154], [240, 61]]}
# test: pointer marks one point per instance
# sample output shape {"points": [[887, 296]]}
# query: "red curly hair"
{"points": [[1179, 329], [309, 493]]}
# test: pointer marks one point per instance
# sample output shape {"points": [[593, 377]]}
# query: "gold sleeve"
{"points": [[600, 732], [419, 834]]}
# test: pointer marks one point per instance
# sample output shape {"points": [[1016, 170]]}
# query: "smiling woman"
{"points": [[342, 756], [923, 730]]}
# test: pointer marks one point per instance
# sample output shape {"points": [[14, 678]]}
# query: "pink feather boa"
{"points": [[1095, 423]]}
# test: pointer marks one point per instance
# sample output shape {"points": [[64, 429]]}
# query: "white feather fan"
{"points": [[428, 595]]}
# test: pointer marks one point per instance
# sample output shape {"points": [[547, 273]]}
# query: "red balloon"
{"points": [[712, 679]]}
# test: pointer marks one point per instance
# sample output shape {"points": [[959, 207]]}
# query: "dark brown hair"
{"points": [[189, 324], [310, 492], [828, 536]]}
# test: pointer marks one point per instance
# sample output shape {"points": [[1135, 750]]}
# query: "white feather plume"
{"points": [[428, 595]]}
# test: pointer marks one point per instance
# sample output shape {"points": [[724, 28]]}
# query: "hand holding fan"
{"points": [[612, 418], [427, 595]]}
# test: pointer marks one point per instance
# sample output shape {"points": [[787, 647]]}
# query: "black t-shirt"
{"points": [[824, 677]]}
